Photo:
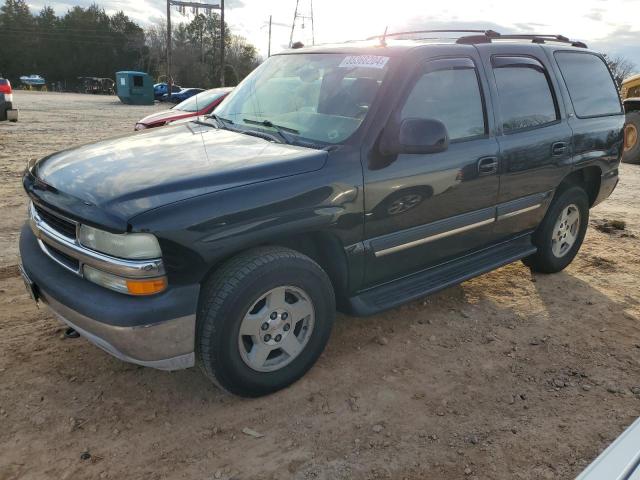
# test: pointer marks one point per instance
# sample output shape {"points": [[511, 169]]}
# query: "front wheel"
{"points": [[561, 232], [264, 318]]}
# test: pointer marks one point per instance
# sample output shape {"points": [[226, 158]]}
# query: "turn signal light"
{"points": [[138, 286], [146, 287]]}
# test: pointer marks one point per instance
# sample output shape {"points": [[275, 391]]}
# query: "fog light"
{"points": [[143, 286]]}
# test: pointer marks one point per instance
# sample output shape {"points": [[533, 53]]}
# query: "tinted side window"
{"points": [[590, 85], [451, 96], [525, 96]]}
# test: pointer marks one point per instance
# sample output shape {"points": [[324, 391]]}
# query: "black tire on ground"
{"points": [[227, 296], [633, 154], [544, 260]]}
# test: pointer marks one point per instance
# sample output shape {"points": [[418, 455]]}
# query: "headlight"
{"points": [[142, 286], [132, 246], [140, 126]]}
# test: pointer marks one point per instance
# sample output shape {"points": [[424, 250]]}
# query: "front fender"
{"points": [[200, 232]]}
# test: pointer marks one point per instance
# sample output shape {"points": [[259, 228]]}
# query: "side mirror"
{"points": [[415, 135]]}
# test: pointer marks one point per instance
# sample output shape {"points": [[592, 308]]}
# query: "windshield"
{"points": [[199, 101], [319, 97]]}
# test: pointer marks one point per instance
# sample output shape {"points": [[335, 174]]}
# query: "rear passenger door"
{"points": [[596, 115], [533, 133], [423, 209]]}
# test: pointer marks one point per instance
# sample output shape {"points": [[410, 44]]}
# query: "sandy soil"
{"points": [[508, 376]]}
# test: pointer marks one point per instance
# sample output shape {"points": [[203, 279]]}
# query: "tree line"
{"points": [[88, 42]]}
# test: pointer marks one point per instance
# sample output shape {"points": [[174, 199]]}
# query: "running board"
{"points": [[426, 282]]}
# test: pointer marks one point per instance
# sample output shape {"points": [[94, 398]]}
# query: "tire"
{"points": [[554, 256], [239, 292], [633, 154]]}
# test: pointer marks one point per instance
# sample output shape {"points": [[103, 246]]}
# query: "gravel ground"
{"points": [[507, 376]]}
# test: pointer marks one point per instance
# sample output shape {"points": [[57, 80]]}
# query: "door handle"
{"points": [[487, 166], [559, 148]]}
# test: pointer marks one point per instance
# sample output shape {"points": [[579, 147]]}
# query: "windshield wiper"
{"points": [[278, 128], [222, 122]]}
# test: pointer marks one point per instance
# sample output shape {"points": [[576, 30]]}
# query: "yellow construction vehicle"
{"points": [[631, 98]]}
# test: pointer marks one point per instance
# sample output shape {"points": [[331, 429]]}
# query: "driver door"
{"points": [[425, 209]]}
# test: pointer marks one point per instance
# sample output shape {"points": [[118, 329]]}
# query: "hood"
{"points": [[116, 179], [166, 115]]}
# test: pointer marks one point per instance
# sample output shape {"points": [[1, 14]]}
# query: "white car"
{"points": [[7, 112], [620, 461]]}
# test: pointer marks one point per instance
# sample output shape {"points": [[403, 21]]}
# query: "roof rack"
{"points": [[534, 37], [484, 36], [384, 36]]}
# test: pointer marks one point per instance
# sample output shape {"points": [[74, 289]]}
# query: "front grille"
{"points": [[59, 224], [63, 258]]}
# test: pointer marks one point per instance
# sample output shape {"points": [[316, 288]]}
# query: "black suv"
{"points": [[361, 175]]}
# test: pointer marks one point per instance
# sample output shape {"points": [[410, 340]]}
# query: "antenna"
{"points": [[383, 39], [302, 16]]}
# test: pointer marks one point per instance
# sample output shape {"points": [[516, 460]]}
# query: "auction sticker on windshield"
{"points": [[364, 61]]}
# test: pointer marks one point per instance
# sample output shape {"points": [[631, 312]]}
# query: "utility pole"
{"points": [[222, 43], [169, 80], [303, 17], [196, 6], [313, 33], [269, 49], [293, 25]]}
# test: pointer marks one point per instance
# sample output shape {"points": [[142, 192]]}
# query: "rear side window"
{"points": [[590, 85], [524, 93], [449, 91]]}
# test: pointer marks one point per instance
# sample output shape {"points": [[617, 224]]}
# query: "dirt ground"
{"points": [[508, 376]]}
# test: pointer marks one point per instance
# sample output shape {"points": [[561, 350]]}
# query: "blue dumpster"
{"points": [[134, 88]]}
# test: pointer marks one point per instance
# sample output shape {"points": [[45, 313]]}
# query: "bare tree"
{"points": [[620, 66]]}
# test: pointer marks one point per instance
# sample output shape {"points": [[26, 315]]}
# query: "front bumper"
{"points": [[156, 331], [166, 346]]}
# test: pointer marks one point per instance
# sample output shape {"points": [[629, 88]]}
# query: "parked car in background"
{"points": [[182, 95], [7, 112], [621, 459], [631, 99], [201, 104], [160, 89], [229, 243]]}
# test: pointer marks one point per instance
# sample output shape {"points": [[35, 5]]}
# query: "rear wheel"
{"points": [[264, 319], [561, 232], [632, 138]]}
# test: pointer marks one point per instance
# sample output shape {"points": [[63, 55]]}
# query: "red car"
{"points": [[202, 104]]}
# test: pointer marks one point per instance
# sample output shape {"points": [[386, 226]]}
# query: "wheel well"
{"points": [[326, 250], [322, 247], [588, 178]]}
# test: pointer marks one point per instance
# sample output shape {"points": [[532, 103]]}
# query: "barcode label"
{"points": [[364, 61]]}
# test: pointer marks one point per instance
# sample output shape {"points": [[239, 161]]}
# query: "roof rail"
{"points": [[412, 32], [534, 37], [484, 36]]}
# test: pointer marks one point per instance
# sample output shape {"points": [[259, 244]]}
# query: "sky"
{"points": [[610, 26]]}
